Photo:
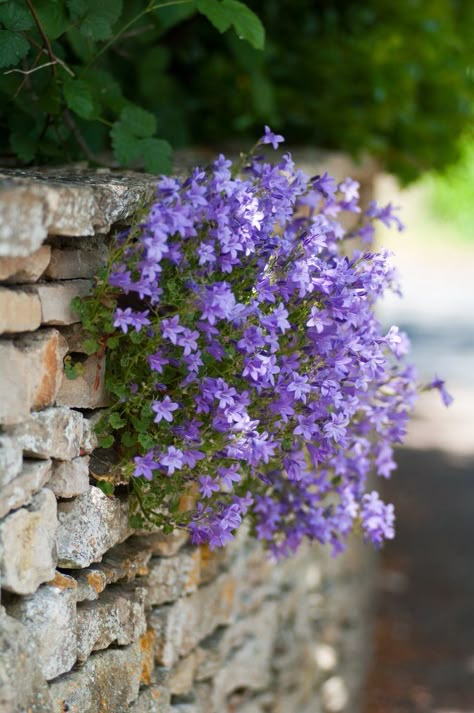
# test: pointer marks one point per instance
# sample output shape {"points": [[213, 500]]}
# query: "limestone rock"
{"points": [[51, 433], [87, 390], [90, 440], [27, 545], [182, 674], [68, 264], [70, 478], [164, 545], [88, 526], [171, 578], [108, 681], [117, 616], [20, 311], [31, 369], [155, 698], [22, 685], [23, 270], [55, 299], [11, 459], [49, 615], [20, 490]]}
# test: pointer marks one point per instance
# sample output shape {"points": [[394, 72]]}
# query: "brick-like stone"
{"points": [[24, 270], [108, 681], [90, 440], [70, 264], [88, 526], [51, 433], [11, 459], [31, 369], [171, 578], [27, 545], [55, 299], [155, 698], [20, 490], [87, 390], [182, 674], [22, 685], [117, 616], [165, 545], [70, 478], [49, 615], [20, 311]]}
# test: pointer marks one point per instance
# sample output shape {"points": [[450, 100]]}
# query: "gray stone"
{"points": [[24, 270], [155, 698], [70, 478], [27, 545], [55, 299], [117, 616], [31, 369], [90, 440], [108, 681], [171, 578], [11, 459], [23, 688], [51, 433], [87, 390], [20, 311], [49, 615], [20, 490], [164, 545], [88, 526], [69, 264], [182, 674]]}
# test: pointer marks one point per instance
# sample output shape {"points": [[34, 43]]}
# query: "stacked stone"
{"points": [[96, 618]]}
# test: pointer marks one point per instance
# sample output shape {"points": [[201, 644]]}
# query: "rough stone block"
{"points": [[23, 270], [90, 440], [55, 299], [87, 390], [27, 545], [117, 616], [164, 545], [125, 561], [155, 698], [70, 264], [20, 490], [108, 681], [11, 459], [88, 526], [22, 685], [49, 615], [171, 578], [51, 433], [31, 369], [20, 311], [182, 674], [70, 478]]}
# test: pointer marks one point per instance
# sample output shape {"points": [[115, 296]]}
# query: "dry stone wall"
{"points": [[96, 618]]}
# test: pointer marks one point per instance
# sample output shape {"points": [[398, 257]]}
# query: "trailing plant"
{"points": [[249, 372]]}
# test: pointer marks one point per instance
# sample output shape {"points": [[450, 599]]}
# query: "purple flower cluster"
{"points": [[278, 391]]}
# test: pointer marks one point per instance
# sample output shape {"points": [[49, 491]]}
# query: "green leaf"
{"points": [[137, 121], [171, 16], [13, 48], [97, 16], [146, 441], [128, 439], [246, 23], [90, 346], [106, 441], [156, 155], [78, 97], [216, 13], [52, 17], [106, 487], [116, 420], [24, 145], [16, 17], [113, 342], [137, 521]]}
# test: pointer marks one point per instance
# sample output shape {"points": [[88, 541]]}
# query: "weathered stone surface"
{"points": [[155, 698], [69, 264], [11, 459], [334, 694], [23, 270], [90, 440], [125, 561], [55, 299], [31, 369], [51, 433], [49, 615], [70, 478], [170, 578], [117, 616], [181, 626], [20, 490], [22, 685], [88, 389], [108, 681], [89, 526], [165, 545], [27, 545], [68, 203], [20, 311], [183, 673]]}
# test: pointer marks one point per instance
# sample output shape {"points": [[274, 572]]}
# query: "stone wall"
{"points": [[96, 618]]}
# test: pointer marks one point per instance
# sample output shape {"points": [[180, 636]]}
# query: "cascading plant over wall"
{"points": [[250, 375]]}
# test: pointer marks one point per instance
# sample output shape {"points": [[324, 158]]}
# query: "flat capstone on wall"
{"points": [[96, 617]]}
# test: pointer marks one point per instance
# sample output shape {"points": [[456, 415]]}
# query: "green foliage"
{"points": [[72, 68], [452, 194]]}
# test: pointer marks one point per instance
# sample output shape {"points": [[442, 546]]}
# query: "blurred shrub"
{"points": [[452, 194]]}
